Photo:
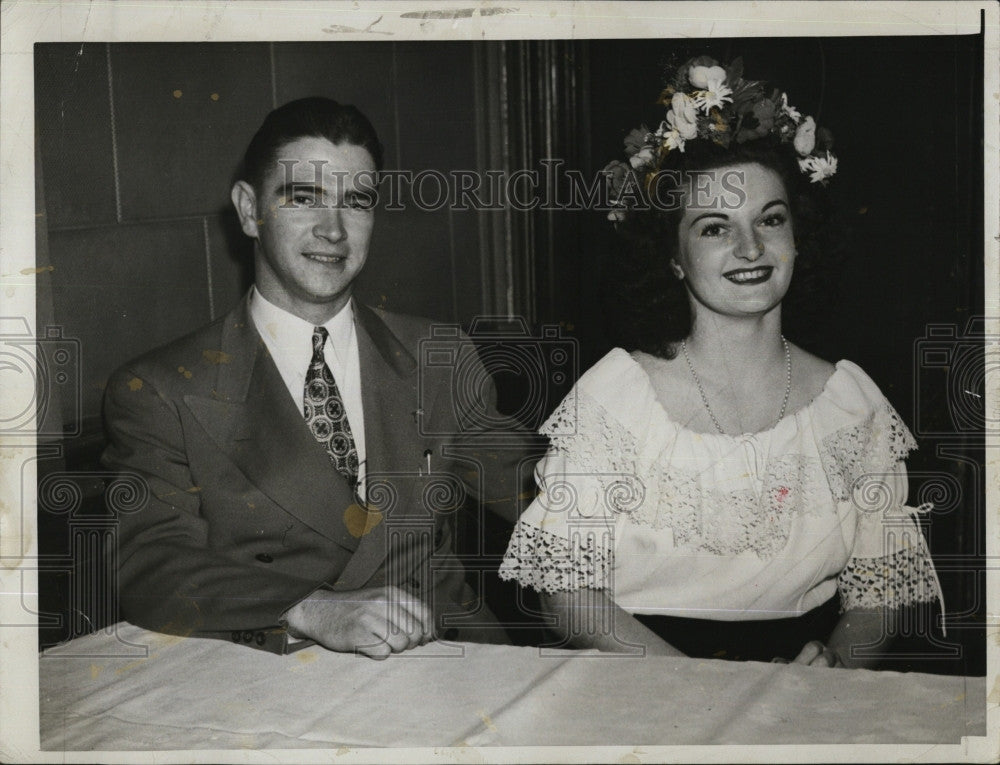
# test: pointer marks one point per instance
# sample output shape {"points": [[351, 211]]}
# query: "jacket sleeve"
{"points": [[169, 578]]}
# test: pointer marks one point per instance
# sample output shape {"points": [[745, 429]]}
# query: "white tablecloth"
{"points": [[127, 689]]}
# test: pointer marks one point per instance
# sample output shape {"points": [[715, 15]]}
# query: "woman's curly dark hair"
{"points": [[647, 306]]}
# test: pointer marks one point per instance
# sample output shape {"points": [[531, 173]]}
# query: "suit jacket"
{"points": [[246, 515]]}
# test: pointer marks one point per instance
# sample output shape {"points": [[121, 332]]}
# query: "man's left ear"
{"points": [[245, 201]]}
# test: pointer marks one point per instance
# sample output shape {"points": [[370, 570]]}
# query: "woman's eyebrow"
{"points": [[772, 203], [709, 215]]}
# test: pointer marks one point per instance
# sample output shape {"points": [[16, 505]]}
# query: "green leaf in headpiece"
{"points": [[824, 139], [735, 72]]}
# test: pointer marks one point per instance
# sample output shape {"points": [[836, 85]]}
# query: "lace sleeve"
{"points": [[893, 580], [873, 446], [596, 442], [551, 563], [890, 564], [564, 541]]}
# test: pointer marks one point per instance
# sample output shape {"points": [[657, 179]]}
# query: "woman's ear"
{"points": [[677, 270], [245, 201]]}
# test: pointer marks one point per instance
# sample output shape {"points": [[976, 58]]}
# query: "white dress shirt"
{"points": [[289, 341]]}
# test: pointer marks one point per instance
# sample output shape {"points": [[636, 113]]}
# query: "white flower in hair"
{"points": [[669, 135], [683, 116], [616, 214], [805, 137], [791, 111], [819, 168], [643, 159], [715, 93], [700, 76]]}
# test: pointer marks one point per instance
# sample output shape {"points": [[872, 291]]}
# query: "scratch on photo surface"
{"points": [[459, 13], [341, 29]]}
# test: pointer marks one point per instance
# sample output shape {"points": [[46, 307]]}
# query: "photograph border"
{"points": [[27, 22]]}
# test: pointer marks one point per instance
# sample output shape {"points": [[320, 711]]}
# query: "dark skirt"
{"points": [[746, 640]]}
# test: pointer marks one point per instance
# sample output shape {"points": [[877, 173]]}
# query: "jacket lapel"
{"points": [[254, 421], [392, 445]]}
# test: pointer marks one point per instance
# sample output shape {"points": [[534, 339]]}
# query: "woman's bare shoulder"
{"points": [[811, 371], [672, 385], [661, 371]]}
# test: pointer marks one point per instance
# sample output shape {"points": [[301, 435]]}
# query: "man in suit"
{"points": [[304, 469]]}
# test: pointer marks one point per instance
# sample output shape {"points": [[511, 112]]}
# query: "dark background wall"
{"points": [[139, 143], [139, 146], [906, 114]]}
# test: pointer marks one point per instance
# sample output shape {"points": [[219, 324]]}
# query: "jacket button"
{"points": [[235, 636], [247, 636], [260, 638], [264, 558]]}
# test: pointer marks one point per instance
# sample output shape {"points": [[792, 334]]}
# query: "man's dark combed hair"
{"points": [[647, 306], [316, 117]]}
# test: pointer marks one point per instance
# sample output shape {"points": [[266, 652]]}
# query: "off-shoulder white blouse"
{"points": [[759, 526]]}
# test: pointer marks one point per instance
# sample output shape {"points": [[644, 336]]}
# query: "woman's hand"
{"points": [[815, 654]]}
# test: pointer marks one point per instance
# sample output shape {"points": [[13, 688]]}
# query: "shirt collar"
{"points": [[287, 334]]}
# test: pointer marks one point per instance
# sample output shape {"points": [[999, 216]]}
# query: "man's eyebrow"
{"points": [[285, 189]]}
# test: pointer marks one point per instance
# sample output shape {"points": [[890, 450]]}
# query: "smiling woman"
{"points": [[750, 246], [704, 492], [652, 311]]}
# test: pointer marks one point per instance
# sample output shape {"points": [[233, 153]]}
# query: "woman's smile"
{"points": [[749, 275]]}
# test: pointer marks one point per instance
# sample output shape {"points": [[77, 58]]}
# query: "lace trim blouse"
{"points": [[714, 526]]}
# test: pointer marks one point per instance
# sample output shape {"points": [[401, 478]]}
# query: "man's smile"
{"points": [[321, 257]]}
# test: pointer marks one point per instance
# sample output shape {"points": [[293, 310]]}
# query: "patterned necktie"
{"points": [[326, 416]]}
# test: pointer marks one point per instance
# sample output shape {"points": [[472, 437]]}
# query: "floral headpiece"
{"points": [[708, 102]]}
